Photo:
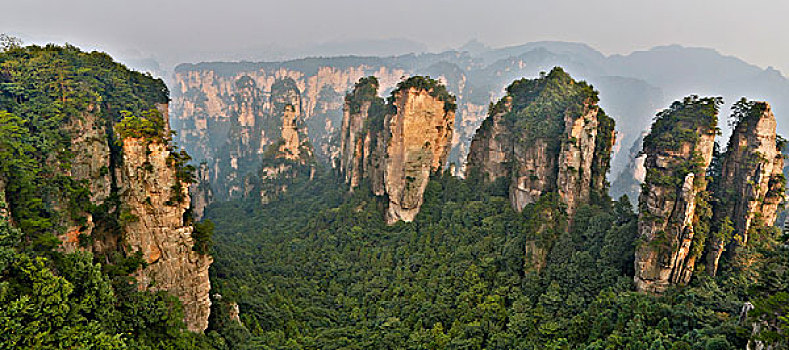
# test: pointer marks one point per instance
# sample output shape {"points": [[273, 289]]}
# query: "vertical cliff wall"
{"points": [[678, 151], [420, 132], [546, 135], [93, 164], [396, 146], [361, 138], [750, 186], [155, 200]]}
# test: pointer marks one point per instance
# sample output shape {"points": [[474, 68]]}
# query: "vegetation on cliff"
{"points": [[434, 87], [51, 298]]}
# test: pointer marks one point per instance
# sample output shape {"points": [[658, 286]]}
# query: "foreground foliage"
{"points": [[52, 300]]}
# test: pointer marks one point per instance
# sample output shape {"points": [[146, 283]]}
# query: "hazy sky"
{"points": [[173, 30]]}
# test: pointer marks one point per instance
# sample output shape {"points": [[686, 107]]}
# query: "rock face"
{"points": [[152, 204], [542, 140], [102, 170], [157, 228], [751, 186], [91, 163], [221, 110], [678, 151], [420, 134], [292, 153], [362, 142], [396, 146]]}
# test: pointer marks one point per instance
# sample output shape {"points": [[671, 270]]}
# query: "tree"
{"points": [[8, 42]]}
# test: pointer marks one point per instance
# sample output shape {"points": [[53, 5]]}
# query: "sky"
{"points": [[174, 31]]}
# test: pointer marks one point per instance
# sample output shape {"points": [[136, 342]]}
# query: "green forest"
{"points": [[50, 299], [319, 268]]}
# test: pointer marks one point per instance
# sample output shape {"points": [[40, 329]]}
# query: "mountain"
{"points": [[98, 245], [396, 147], [527, 251], [633, 88]]}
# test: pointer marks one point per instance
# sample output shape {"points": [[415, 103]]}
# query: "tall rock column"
{"points": [[751, 185], [678, 151], [396, 146], [292, 153], [153, 202], [419, 137]]}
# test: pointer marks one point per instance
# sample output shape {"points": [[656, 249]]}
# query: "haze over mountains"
{"points": [[633, 87]]}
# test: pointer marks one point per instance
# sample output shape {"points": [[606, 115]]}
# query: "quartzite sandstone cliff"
{"points": [[220, 109], [678, 151], [398, 145], [751, 184], [144, 177], [546, 135]]}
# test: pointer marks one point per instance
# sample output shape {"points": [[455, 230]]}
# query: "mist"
{"points": [[191, 31]]}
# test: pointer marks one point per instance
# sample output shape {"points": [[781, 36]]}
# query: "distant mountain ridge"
{"points": [[633, 87]]}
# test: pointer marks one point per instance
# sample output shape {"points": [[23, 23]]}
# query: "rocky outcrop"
{"points": [[151, 207], [228, 119], [678, 152], [543, 140], [396, 146], [361, 138], [750, 187], [100, 172], [420, 132], [292, 154], [207, 116], [154, 201], [91, 163]]}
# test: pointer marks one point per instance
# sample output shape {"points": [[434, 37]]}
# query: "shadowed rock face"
{"points": [[547, 135], [396, 146], [678, 152], [750, 188]]}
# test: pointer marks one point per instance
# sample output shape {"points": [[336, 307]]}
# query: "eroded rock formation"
{"points": [[292, 153], [751, 186], [678, 152], [154, 202], [546, 135], [97, 168], [396, 146], [209, 121]]}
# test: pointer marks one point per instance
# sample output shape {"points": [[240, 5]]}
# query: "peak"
{"points": [[432, 86]]}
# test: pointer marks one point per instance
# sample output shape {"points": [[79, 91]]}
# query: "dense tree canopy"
{"points": [[320, 270]]}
